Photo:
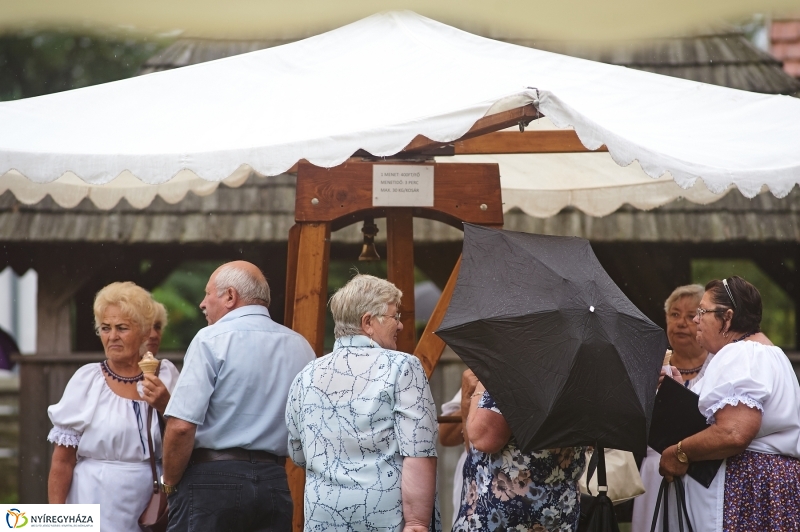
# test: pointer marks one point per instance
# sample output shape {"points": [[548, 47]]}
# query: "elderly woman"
{"points": [[751, 399], [689, 360], [101, 452], [506, 489], [362, 421]]}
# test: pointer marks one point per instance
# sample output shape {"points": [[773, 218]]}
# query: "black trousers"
{"points": [[232, 496]]}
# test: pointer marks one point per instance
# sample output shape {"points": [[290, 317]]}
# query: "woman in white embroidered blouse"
{"points": [[101, 454], [751, 399], [362, 422]]}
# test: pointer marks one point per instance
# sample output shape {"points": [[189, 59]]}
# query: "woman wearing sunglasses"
{"points": [[751, 400]]}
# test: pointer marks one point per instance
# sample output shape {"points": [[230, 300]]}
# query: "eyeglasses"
{"points": [[396, 317], [701, 311]]}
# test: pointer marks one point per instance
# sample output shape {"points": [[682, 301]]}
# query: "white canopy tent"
{"points": [[540, 185], [375, 85]]}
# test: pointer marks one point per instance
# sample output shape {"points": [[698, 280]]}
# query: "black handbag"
{"points": [[155, 516], [597, 512], [680, 495]]}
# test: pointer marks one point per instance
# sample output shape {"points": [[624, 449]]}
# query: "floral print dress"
{"points": [[512, 490]]}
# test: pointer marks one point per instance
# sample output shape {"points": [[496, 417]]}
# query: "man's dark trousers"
{"points": [[232, 496]]}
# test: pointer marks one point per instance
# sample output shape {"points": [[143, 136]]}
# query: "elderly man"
{"points": [[226, 440]]}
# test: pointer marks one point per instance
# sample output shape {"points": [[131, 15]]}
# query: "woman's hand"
{"points": [[670, 467], [155, 393], [675, 375]]}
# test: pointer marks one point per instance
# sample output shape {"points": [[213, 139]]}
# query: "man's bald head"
{"points": [[246, 279]]}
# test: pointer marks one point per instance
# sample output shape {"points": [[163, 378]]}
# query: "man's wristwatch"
{"points": [[682, 458], [166, 488]]}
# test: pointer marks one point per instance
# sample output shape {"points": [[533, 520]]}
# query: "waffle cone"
{"points": [[149, 363]]}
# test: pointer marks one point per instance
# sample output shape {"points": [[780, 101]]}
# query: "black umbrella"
{"points": [[566, 356]]}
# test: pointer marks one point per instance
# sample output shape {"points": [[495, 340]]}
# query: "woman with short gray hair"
{"points": [[362, 421]]}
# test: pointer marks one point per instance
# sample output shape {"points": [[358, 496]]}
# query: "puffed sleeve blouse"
{"points": [[101, 424], [760, 377]]}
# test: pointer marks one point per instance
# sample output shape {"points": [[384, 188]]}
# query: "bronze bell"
{"points": [[368, 251]]}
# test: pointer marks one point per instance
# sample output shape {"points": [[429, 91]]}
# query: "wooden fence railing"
{"points": [[42, 380]]}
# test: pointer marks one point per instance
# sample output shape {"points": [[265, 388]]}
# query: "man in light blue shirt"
{"points": [[226, 439]]}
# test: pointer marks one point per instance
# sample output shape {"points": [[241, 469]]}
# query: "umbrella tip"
{"points": [[591, 309]]}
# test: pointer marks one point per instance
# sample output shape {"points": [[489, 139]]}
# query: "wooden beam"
{"points": [[430, 347], [311, 283], [400, 270], [485, 125], [504, 142], [467, 192], [291, 273], [297, 484]]}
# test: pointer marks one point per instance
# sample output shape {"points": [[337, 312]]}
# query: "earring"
{"points": [[725, 334]]}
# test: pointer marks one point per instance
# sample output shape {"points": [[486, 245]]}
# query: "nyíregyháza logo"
{"points": [[16, 518]]}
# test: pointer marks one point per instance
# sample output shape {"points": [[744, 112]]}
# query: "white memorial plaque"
{"points": [[402, 185]]}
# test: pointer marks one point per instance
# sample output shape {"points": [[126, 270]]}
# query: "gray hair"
{"points": [[363, 294], [160, 317], [251, 290], [694, 291]]}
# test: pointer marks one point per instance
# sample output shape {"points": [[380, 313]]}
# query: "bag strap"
{"points": [[591, 467], [680, 496], [661, 490], [150, 442]]}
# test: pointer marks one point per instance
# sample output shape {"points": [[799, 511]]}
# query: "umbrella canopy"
{"points": [[566, 356], [306, 100]]}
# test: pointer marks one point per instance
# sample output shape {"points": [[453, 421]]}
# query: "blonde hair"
{"points": [[363, 294], [689, 290], [133, 301]]}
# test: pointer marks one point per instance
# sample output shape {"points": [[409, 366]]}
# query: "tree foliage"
{"points": [[37, 63]]}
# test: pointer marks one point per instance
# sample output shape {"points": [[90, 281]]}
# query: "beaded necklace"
{"points": [[742, 337], [689, 371], [120, 378]]}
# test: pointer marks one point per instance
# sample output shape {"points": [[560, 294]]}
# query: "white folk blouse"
{"points": [[113, 467]]}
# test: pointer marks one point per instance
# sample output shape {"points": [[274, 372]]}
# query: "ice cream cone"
{"points": [[667, 357], [149, 363]]}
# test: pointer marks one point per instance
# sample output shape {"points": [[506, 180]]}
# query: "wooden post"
{"points": [[400, 270], [308, 272], [430, 346], [291, 274], [311, 283]]}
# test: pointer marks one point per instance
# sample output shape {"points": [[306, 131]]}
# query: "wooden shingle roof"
{"points": [[262, 210], [726, 58]]}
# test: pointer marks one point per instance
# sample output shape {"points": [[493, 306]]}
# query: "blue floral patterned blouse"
{"points": [[352, 416], [511, 490]]}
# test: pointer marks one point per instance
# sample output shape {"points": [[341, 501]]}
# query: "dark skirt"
{"points": [[762, 493]]}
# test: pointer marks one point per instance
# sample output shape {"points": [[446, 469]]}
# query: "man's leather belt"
{"points": [[201, 455]]}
